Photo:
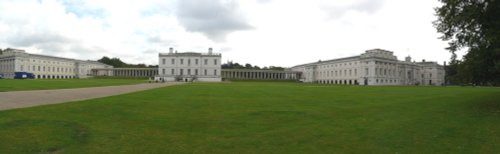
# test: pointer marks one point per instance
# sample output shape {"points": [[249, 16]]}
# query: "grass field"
{"points": [[263, 117], [17, 85]]}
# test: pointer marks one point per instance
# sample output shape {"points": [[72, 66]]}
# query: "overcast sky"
{"points": [[261, 32]]}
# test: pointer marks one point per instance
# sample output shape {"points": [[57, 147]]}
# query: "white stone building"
{"points": [[374, 67], [45, 67], [190, 66]]}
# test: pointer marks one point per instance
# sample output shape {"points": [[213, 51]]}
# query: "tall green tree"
{"points": [[472, 25]]}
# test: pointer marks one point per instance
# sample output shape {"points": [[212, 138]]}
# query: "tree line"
{"points": [[473, 26], [117, 63], [231, 65]]}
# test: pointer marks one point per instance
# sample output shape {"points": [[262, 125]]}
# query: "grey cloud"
{"points": [[213, 18], [51, 43], [24, 38], [56, 48], [367, 6]]}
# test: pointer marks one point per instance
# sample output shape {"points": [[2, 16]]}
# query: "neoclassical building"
{"points": [[374, 67], [190, 66], [45, 67]]}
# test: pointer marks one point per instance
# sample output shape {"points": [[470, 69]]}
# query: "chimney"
{"points": [[171, 50], [210, 51], [423, 60]]}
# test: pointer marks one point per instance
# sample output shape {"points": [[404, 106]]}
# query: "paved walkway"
{"points": [[21, 99]]}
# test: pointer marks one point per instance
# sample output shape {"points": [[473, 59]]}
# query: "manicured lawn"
{"points": [[17, 85], [263, 117]]}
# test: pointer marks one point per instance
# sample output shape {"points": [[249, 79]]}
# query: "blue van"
{"points": [[23, 75]]}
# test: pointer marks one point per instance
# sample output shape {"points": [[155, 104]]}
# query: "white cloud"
{"points": [[262, 32]]}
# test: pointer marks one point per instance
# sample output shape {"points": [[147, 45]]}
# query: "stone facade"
{"points": [[45, 67], [374, 67], [190, 66]]}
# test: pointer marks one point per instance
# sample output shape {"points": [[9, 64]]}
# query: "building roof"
{"points": [[53, 57], [194, 54]]}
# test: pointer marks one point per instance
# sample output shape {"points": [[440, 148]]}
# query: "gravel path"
{"points": [[21, 99]]}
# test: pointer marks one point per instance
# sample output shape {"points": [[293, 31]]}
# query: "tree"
{"points": [[117, 63], [277, 68], [473, 25], [231, 65], [248, 66]]}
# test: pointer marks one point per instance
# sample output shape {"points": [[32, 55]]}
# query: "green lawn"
{"points": [[263, 117], [17, 85]]}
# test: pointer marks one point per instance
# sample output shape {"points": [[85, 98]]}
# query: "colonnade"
{"points": [[260, 74], [125, 72], [225, 73]]}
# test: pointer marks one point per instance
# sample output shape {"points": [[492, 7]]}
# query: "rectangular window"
{"points": [[182, 72], [173, 61], [215, 72], [366, 71], [173, 71], [206, 61], [163, 61], [163, 71], [205, 72], [182, 61], [196, 61], [189, 71], [196, 71], [189, 62], [215, 61]]}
